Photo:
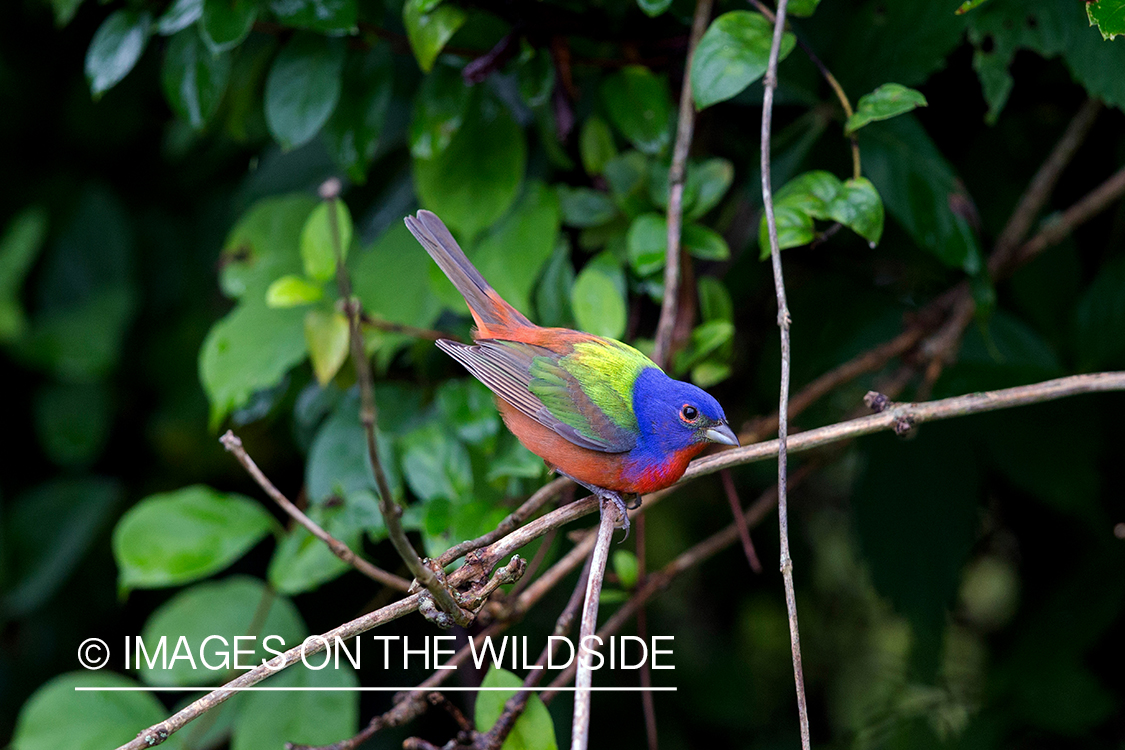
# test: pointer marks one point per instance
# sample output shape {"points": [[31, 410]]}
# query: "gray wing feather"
{"points": [[505, 370]]}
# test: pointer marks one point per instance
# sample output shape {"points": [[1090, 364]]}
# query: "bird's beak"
{"points": [[721, 433]]}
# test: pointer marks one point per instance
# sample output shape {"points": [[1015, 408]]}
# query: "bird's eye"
{"points": [[688, 413]]}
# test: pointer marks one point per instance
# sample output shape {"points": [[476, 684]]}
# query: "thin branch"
{"points": [[158, 733], [541, 497], [580, 730], [740, 522], [368, 414], [783, 323], [1092, 204], [895, 416], [648, 705], [388, 326], [677, 174], [514, 707], [837, 89], [1042, 185], [233, 444]]}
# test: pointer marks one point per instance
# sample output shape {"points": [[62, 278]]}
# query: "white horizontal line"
{"points": [[412, 689]]}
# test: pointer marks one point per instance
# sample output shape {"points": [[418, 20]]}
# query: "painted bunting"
{"points": [[594, 409]]}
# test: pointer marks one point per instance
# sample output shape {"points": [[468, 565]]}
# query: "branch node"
{"points": [[904, 425], [876, 402]]}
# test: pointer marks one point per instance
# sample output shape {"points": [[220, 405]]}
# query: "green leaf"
{"points": [[640, 107], [1108, 16], [732, 54], [627, 176], [858, 207], [516, 462], [535, 76], [714, 300], [392, 279], [327, 16], [264, 245], [303, 87], [174, 537], [802, 8], [654, 8], [338, 463], [552, 297], [226, 23], [65, 10], [885, 102], [626, 568], [73, 422], [352, 133], [511, 255], [436, 464], [303, 563], [968, 5], [598, 298], [1100, 318], [596, 145], [19, 246], [707, 183], [921, 191], [58, 715], [40, 557], [318, 240], [820, 195], [705, 339], [292, 291], [534, 729], [647, 243], [440, 106], [327, 336], [180, 15], [474, 181], [234, 607], [428, 30], [585, 207], [115, 49], [252, 348], [466, 404], [704, 243], [310, 717], [194, 79]]}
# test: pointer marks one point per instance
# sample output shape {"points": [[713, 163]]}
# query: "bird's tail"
{"points": [[491, 313]]}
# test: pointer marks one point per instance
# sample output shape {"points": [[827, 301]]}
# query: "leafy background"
{"points": [[165, 273]]}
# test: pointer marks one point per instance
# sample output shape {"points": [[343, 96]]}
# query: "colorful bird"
{"points": [[594, 409]]}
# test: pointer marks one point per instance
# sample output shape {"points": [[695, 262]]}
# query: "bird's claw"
{"points": [[622, 508]]}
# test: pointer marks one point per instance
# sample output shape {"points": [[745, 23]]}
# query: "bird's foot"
{"points": [[612, 496], [635, 503], [622, 508]]}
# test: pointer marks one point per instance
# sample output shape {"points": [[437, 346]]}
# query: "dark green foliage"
{"points": [[167, 271]]}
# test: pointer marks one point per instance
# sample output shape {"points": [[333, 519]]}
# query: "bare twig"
{"points": [[494, 738], [1042, 185], [1092, 204], [580, 731], [740, 522], [541, 497], [783, 323], [233, 444], [368, 414], [837, 89], [648, 705], [388, 326], [894, 415], [677, 173]]}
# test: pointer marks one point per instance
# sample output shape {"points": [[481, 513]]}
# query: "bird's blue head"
{"points": [[673, 416]]}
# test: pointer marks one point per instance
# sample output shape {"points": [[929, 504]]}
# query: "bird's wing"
{"points": [[554, 390]]}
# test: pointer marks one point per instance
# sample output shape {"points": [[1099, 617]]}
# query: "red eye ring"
{"points": [[689, 413]]}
